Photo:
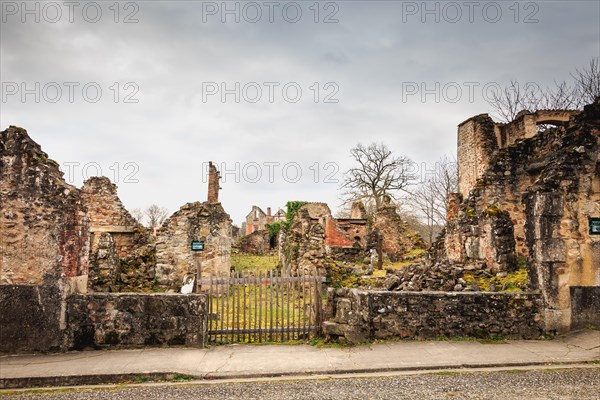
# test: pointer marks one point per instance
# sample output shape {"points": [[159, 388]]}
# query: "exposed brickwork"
{"points": [[345, 232]]}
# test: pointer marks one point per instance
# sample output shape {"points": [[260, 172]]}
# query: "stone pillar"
{"points": [[547, 257], [213, 183]]}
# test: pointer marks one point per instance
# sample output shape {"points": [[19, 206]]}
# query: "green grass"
{"points": [[141, 379], [242, 262], [182, 378], [408, 259]]}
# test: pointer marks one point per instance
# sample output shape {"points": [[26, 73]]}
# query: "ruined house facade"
{"points": [[257, 219], [528, 198]]}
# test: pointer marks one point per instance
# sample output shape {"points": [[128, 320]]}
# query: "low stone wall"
{"points": [[30, 318], [585, 306], [135, 320], [360, 315]]}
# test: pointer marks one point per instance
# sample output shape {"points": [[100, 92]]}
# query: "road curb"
{"points": [[115, 379]]}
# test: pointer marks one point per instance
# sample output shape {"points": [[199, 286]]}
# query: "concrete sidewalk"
{"points": [[247, 361]]}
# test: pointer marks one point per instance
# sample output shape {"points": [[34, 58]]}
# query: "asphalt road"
{"points": [[578, 384]]}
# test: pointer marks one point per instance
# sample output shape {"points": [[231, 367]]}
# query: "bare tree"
{"points": [[138, 214], [514, 97], [378, 173], [155, 216], [587, 82], [429, 198]]}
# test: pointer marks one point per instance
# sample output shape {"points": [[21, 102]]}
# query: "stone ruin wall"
{"points": [[43, 222], [544, 186], [46, 226], [480, 137], [360, 316], [107, 214], [315, 237], [476, 145], [175, 261], [44, 245]]}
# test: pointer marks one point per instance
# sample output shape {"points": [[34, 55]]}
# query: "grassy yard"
{"points": [[242, 262]]}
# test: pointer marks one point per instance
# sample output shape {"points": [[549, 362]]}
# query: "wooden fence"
{"points": [[263, 306]]}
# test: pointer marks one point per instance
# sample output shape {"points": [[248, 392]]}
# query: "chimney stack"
{"points": [[213, 183], [268, 211]]}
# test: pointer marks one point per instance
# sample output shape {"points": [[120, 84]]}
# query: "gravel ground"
{"points": [[544, 384]]}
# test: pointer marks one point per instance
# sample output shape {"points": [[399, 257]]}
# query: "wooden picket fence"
{"points": [[263, 306]]}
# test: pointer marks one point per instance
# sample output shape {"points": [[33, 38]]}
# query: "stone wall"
{"points": [[135, 320], [476, 144], [257, 242], [194, 221], [360, 315], [585, 306], [43, 222], [480, 137], [107, 215], [542, 186], [397, 238], [32, 318], [302, 245]]}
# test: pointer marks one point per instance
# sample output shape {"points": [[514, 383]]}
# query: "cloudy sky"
{"points": [[275, 93]]}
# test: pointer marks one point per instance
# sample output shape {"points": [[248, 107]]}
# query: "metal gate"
{"points": [[263, 306]]}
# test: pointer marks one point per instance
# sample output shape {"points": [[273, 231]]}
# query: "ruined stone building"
{"points": [[59, 245], [205, 222], [528, 198], [316, 237], [257, 219]]}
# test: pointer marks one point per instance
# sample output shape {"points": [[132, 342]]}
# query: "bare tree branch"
{"points": [[514, 98], [378, 173], [429, 198]]}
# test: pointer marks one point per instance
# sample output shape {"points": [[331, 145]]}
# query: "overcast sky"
{"points": [[285, 91]]}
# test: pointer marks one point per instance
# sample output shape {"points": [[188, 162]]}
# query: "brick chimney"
{"points": [[213, 183], [268, 211]]}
